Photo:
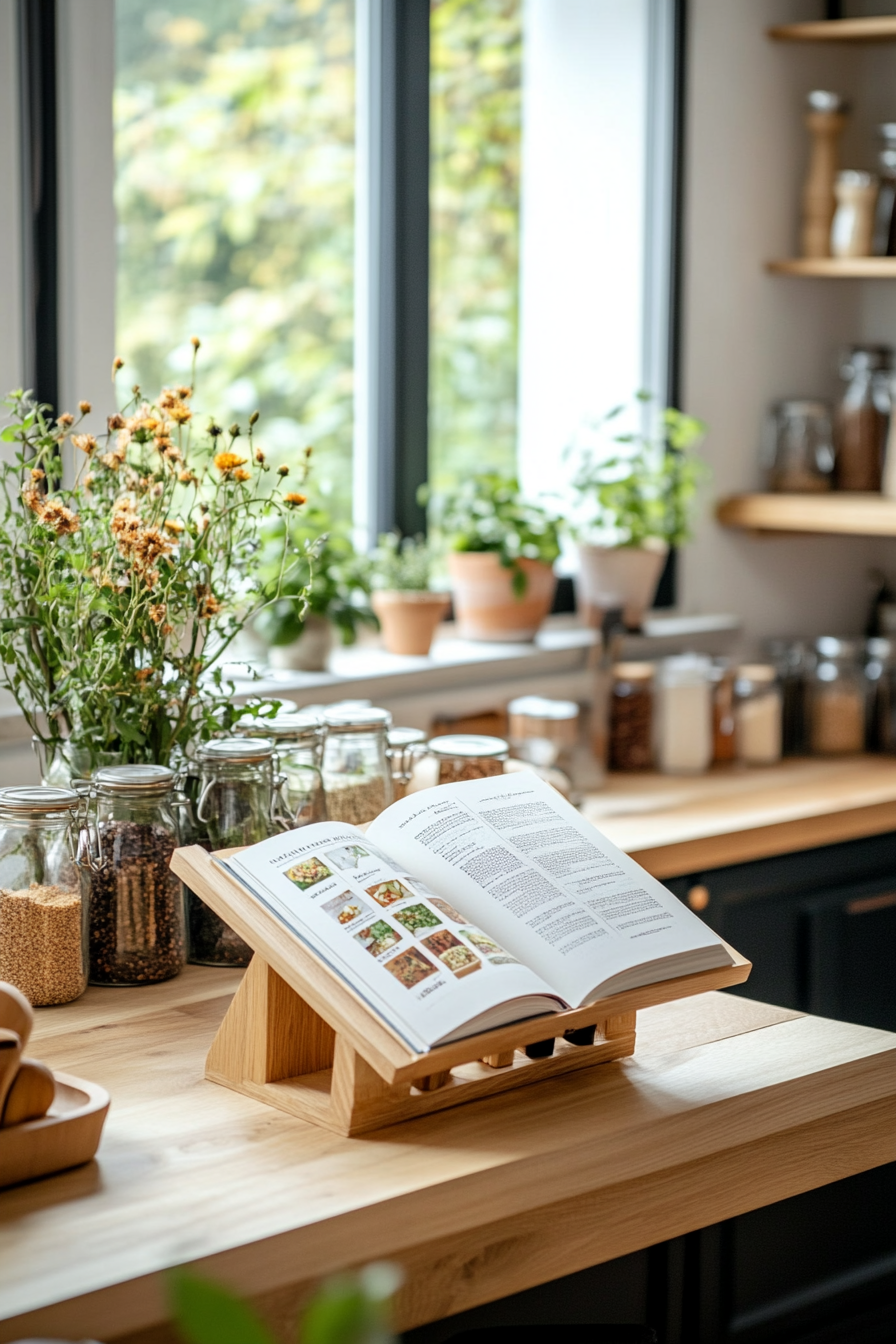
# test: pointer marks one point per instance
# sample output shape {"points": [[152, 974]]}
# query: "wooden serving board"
{"points": [[298, 1038], [68, 1135]]}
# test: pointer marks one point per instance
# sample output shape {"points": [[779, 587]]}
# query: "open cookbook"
{"points": [[468, 906]]}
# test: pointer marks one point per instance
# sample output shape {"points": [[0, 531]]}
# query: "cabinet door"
{"points": [[851, 957]]}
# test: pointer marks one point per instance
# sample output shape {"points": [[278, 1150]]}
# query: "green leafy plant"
{"points": [[122, 592], [325, 577], [488, 513], [643, 487], [350, 1309], [401, 564]]}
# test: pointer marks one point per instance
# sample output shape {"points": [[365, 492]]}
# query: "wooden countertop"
{"points": [[674, 825], [726, 1105]]}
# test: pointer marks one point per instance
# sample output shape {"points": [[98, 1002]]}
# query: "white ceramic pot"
{"points": [[309, 653], [620, 576]]}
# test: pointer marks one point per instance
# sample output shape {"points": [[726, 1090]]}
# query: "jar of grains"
{"points": [[468, 756], [299, 737], [544, 732], [631, 716], [134, 904], [237, 794], [404, 747], [42, 950], [757, 714], [837, 698], [356, 769], [684, 737]]}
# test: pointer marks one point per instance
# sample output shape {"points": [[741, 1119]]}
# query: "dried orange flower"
{"points": [[242, 474], [295, 498], [185, 393], [86, 442], [37, 474], [115, 421], [84, 407], [228, 462], [283, 471], [186, 476], [173, 525], [144, 673], [34, 499], [180, 413], [61, 519], [195, 342], [66, 419], [207, 603], [259, 457], [158, 612], [117, 363]]}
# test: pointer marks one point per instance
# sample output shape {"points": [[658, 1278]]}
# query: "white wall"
{"points": [[750, 338]]}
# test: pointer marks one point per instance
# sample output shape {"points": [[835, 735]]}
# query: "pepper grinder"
{"points": [[825, 119]]}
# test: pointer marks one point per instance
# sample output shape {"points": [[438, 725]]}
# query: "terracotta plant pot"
{"points": [[308, 653], [408, 620], [620, 576], [484, 601]]}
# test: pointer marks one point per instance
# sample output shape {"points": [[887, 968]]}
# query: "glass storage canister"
{"points": [[133, 904], [42, 950], [404, 747], [356, 769], [793, 660], [463, 756], [880, 674], [801, 456], [721, 674], [631, 716], [757, 714], [299, 737], [837, 698], [544, 732], [684, 715], [236, 805], [861, 420]]}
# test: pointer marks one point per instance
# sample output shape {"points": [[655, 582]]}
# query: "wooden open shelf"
{"points": [[848, 514], [836, 268], [878, 29]]}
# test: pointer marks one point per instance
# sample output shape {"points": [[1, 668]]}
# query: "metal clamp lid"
{"points": [[36, 799], [133, 779], [233, 749]]}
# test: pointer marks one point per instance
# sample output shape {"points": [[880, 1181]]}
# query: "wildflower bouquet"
{"points": [[122, 591]]}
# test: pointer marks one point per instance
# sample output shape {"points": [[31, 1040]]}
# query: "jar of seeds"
{"points": [[404, 747], [631, 716], [239, 803], [41, 948], [356, 768], [837, 698], [299, 738], [134, 904], [463, 756]]}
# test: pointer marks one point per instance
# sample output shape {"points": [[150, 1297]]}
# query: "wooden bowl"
{"points": [[67, 1136]]}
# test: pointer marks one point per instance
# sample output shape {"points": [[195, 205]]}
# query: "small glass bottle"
{"points": [[356, 769], [299, 737], [544, 732], [631, 716], [837, 698], [42, 950], [884, 244], [462, 756], [723, 745], [802, 453], [861, 421], [235, 807], [133, 902], [852, 229], [684, 718], [757, 714], [404, 747]]}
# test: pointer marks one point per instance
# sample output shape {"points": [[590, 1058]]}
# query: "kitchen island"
{"points": [[727, 1105]]}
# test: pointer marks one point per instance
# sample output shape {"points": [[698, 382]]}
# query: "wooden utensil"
{"points": [[16, 1013], [31, 1094], [10, 1056]]}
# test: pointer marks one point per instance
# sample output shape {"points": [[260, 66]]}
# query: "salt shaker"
{"points": [[852, 231]]}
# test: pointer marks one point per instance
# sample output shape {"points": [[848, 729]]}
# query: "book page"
{"points": [[417, 960], [547, 885]]}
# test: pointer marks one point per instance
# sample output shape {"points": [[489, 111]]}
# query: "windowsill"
{"points": [[456, 666]]}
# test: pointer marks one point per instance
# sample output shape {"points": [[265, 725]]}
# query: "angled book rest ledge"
{"points": [[298, 1038]]}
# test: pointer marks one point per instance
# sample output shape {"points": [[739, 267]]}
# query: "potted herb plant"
{"points": [[325, 589], [123, 591], [635, 498], [408, 610], [502, 553]]}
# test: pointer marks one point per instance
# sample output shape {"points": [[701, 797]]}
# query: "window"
{"points": [[234, 151], [427, 236]]}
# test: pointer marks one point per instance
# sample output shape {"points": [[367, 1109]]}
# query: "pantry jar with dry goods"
{"points": [[238, 803], [837, 698], [683, 735], [793, 660], [404, 747], [463, 756], [42, 950], [757, 714], [299, 738], [544, 732], [134, 903], [356, 768], [631, 716]]}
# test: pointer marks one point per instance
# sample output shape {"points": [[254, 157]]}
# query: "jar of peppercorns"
{"points": [[631, 716]]}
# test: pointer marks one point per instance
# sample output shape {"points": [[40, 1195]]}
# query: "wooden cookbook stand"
{"points": [[297, 1037]]}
